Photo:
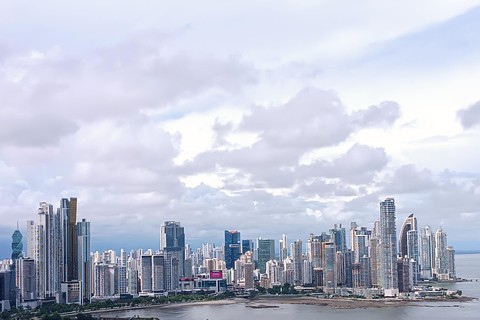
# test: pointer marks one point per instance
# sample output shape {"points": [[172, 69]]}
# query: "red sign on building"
{"points": [[216, 274]]}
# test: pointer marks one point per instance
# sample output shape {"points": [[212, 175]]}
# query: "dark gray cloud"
{"points": [[470, 116]]}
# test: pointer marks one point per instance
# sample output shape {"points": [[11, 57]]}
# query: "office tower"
{"points": [[283, 248], [172, 240], [232, 248], [247, 245], [337, 236], [84, 262], [297, 262], [17, 245], [314, 250], [360, 242], [410, 223], [329, 277], [25, 279], [441, 257], [265, 252], [72, 241], [426, 252], [451, 263], [388, 243]]}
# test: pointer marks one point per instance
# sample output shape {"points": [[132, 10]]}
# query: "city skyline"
{"points": [[375, 265], [265, 119]]}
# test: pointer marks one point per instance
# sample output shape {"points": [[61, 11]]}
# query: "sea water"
{"points": [[468, 266]]}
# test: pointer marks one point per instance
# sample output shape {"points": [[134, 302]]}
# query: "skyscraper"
{"points": [[30, 238], [25, 279], [329, 275], [84, 264], [265, 252], [72, 241], [297, 262], [283, 253], [388, 243], [410, 223], [17, 245], [314, 250], [337, 236], [426, 252], [172, 240], [247, 245], [408, 244], [232, 248], [441, 255]]}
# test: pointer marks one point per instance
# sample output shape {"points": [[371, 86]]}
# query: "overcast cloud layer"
{"points": [[266, 119]]}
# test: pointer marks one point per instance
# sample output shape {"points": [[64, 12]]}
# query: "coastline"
{"points": [[344, 303], [267, 302]]}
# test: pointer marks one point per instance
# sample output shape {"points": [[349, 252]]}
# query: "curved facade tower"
{"points": [[409, 224], [17, 245]]}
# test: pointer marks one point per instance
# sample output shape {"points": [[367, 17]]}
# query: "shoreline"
{"points": [[261, 302], [345, 303]]}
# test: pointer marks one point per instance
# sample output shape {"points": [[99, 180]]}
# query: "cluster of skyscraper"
{"points": [[57, 264], [60, 266], [372, 261]]}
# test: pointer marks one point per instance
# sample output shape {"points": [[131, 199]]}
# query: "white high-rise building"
{"points": [[441, 256], [388, 243], [31, 239], [283, 245], [426, 252]]}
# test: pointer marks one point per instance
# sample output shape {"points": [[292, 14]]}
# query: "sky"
{"points": [[265, 117]]}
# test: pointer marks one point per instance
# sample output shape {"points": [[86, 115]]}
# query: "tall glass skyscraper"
{"points": [[388, 243], [232, 248], [17, 245], [172, 240], [265, 252], [84, 264]]}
